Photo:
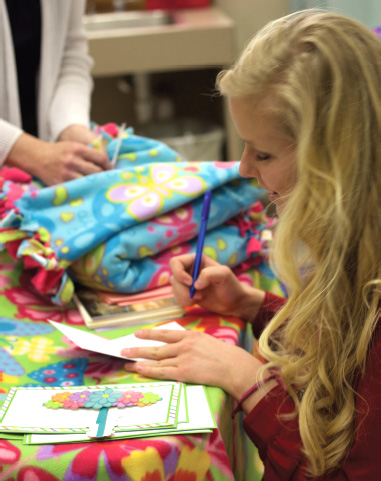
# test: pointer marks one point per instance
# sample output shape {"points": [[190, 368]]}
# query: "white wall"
{"points": [[251, 15], [366, 11]]}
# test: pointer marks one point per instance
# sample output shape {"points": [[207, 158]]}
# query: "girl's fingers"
{"points": [[181, 267], [215, 274], [182, 293], [155, 352], [99, 159], [163, 335], [168, 350], [156, 370]]}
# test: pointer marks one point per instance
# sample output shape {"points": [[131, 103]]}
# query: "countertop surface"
{"points": [[195, 38]]}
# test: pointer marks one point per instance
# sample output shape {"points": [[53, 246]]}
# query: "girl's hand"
{"points": [[194, 357], [217, 288]]}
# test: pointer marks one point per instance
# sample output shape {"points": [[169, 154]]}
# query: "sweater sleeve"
{"points": [[8, 136], [270, 306], [279, 443], [277, 439], [71, 102]]}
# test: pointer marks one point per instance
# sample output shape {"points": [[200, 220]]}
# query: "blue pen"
{"points": [[201, 238]]}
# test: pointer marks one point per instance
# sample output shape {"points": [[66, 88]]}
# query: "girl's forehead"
{"points": [[255, 120]]}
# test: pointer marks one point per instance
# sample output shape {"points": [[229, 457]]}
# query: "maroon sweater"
{"points": [[279, 442]]}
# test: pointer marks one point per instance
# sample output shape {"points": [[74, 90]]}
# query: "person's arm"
{"points": [[55, 162], [279, 444], [9, 134], [70, 105], [269, 307], [278, 441]]}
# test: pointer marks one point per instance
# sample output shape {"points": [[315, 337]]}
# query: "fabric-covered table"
{"points": [[34, 353]]}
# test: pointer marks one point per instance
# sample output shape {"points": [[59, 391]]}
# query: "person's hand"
{"points": [[80, 133], [217, 288], [194, 357], [56, 162]]}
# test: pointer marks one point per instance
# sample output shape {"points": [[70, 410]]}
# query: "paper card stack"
{"points": [[50, 415]]}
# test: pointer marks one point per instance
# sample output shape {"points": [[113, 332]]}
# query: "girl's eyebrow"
{"points": [[255, 148]]}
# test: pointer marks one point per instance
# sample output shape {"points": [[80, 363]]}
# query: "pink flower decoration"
{"points": [[129, 398], [72, 405]]}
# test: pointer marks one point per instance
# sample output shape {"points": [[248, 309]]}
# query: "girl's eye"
{"points": [[263, 157]]}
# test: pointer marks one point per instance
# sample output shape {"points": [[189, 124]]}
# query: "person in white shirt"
{"points": [[44, 55]]}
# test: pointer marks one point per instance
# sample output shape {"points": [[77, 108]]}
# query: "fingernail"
{"points": [[138, 332], [139, 368], [125, 352]]}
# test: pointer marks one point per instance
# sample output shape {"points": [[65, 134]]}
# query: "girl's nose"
{"points": [[246, 168]]}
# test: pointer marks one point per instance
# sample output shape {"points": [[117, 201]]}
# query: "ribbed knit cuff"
{"points": [[8, 135]]}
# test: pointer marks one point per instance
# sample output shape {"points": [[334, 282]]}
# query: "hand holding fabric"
{"points": [[80, 133], [56, 162]]}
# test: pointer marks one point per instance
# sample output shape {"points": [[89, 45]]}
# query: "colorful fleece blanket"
{"points": [[117, 229]]}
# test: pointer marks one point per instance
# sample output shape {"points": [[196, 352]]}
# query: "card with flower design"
{"points": [[195, 417], [98, 411]]}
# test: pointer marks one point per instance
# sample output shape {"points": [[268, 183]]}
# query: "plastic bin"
{"points": [[193, 139]]}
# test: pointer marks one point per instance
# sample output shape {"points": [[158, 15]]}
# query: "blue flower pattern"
{"points": [[101, 399]]}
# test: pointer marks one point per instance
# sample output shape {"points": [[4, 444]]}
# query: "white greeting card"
{"points": [[41, 409], [195, 416], [112, 347]]}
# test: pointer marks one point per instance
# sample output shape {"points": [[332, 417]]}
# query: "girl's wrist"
{"points": [[27, 154], [238, 379], [253, 395], [250, 303], [254, 398]]}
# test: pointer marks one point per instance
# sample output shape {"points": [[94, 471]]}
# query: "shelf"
{"points": [[197, 38]]}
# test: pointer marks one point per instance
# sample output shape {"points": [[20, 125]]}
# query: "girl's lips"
{"points": [[273, 196]]}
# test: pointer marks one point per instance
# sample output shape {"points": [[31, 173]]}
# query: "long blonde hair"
{"points": [[322, 72]]}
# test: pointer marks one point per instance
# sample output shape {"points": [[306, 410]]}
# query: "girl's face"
{"points": [[268, 156]]}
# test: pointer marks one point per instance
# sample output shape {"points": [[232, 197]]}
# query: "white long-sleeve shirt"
{"points": [[64, 84]]}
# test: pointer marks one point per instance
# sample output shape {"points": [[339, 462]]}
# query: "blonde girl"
{"points": [[305, 98]]}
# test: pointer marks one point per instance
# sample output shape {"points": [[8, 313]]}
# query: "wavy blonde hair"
{"points": [[322, 72]]}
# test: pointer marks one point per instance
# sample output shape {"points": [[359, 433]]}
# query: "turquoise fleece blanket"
{"points": [[117, 230]]}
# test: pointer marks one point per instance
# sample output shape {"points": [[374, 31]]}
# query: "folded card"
{"points": [[111, 347]]}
